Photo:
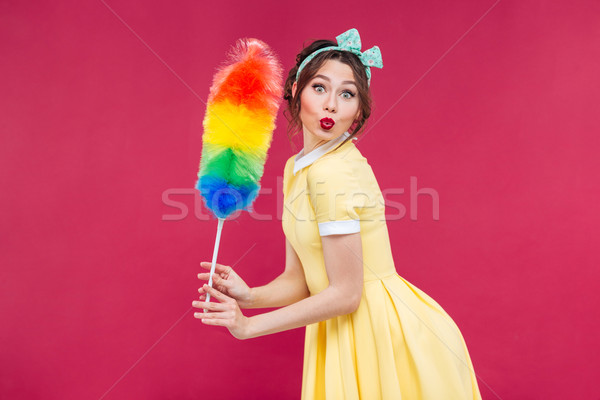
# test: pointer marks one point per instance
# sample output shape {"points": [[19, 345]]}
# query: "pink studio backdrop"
{"points": [[491, 106]]}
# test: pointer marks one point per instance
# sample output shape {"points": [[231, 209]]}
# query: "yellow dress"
{"points": [[399, 343]]}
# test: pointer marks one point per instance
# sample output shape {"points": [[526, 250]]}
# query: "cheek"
{"points": [[306, 104], [308, 107], [352, 112]]}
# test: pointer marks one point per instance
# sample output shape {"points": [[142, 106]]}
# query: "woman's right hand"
{"points": [[226, 281]]}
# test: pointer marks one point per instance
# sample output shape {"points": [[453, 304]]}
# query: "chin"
{"points": [[330, 133], [323, 134]]}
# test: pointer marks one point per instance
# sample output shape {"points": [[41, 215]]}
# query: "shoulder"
{"points": [[344, 162], [288, 173], [289, 165]]}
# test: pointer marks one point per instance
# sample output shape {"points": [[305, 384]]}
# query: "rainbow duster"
{"points": [[238, 128]]}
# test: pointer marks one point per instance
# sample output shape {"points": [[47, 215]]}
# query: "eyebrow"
{"points": [[329, 80]]}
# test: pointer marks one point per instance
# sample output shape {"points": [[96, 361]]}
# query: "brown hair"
{"points": [[292, 113]]}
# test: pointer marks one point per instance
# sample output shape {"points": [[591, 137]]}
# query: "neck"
{"points": [[311, 143]]}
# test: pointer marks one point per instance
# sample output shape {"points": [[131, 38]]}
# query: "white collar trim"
{"points": [[306, 160]]}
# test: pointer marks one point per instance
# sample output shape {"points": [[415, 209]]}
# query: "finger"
{"points": [[208, 305], [212, 321], [214, 314], [211, 306], [217, 280], [217, 294], [219, 268], [203, 292], [207, 315], [204, 275], [222, 270], [215, 322]]}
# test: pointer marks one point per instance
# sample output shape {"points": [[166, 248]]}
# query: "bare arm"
{"points": [[343, 261], [287, 288]]}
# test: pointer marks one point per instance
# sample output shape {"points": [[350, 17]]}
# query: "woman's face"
{"points": [[330, 96]]}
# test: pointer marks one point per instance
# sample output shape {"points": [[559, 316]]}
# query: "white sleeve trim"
{"points": [[339, 227]]}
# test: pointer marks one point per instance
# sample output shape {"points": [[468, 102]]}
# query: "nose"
{"points": [[330, 103]]}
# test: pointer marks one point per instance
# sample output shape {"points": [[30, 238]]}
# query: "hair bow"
{"points": [[350, 41]]}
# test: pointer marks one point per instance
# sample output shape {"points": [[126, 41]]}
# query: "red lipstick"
{"points": [[327, 123]]}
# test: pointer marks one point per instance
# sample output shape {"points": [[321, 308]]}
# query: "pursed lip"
{"points": [[327, 123]]}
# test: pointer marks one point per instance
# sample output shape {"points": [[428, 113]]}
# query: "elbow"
{"points": [[351, 302], [355, 303]]}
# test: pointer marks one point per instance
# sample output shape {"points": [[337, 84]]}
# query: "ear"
{"points": [[294, 87]]}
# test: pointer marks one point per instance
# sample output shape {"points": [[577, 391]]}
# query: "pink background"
{"points": [[492, 105]]}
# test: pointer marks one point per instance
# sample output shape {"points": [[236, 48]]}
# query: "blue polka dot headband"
{"points": [[350, 41]]}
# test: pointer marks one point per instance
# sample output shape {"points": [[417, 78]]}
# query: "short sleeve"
{"points": [[336, 196], [286, 174]]}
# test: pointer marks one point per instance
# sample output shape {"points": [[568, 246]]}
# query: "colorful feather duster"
{"points": [[238, 128]]}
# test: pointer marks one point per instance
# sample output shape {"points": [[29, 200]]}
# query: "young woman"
{"points": [[370, 334]]}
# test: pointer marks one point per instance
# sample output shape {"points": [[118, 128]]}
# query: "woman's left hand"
{"points": [[226, 313]]}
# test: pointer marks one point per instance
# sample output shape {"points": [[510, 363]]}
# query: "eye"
{"points": [[318, 88], [348, 94]]}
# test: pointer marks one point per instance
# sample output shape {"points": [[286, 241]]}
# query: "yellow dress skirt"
{"points": [[399, 343]]}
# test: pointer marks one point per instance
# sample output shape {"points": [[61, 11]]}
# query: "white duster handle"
{"points": [[214, 258]]}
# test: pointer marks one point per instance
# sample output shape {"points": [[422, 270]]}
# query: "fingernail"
{"points": [[195, 303]]}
